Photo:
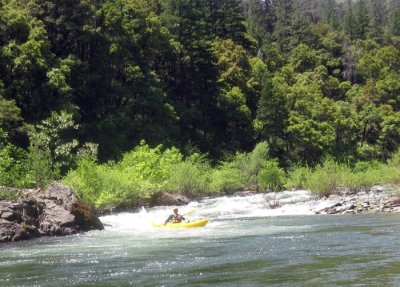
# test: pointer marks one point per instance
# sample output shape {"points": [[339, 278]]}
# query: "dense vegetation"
{"points": [[123, 98]]}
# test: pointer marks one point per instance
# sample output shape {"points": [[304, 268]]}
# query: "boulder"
{"points": [[64, 213], [166, 198], [55, 211], [11, 231]]}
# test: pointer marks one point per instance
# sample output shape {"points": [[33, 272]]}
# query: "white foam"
{"points": [[283, 203]]}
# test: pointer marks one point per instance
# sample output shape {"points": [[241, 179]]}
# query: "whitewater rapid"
{"points": [[286, 203]]}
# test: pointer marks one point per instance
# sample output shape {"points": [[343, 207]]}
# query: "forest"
{"points": [[124, 98]]}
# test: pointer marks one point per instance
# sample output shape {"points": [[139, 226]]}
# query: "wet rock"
{"points": [[166, 198], [56, 211], [11, 231], [64, 213]]}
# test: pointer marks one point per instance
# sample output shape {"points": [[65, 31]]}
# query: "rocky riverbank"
{"points": [[55, 211], [378, 199]]}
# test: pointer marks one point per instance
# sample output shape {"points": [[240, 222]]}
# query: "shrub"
{"points": [[41, 169], [13, 167], [226, 179], [271, 177], [7, 193], [325, 179], [53, 147], [297, 178], [87, 180], [249, 165], [134, 179], [152, 164], [190, 176]]}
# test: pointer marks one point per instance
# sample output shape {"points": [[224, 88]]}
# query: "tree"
{"points": [[272, 113], [24, 60], [260, 17], [191, 85], [350, 24], [377, 19], [53, 144], [69, 25], [390, 136], [226, 20], [283, 11], [235, 97], [394, 20], [362, 20], [330, 13]]}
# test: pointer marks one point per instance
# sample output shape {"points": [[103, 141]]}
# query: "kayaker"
{"points": [[175, 217]]}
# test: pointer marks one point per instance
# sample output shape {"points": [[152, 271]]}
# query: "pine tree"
{"points": [[330, 13], [283, 11], [377, 19], [350, 22], [259, 16], [226, 19], [192, 82], [394, 18], [362, 20]]}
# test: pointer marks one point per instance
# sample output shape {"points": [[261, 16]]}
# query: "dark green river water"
{"points": [[296, 250]]}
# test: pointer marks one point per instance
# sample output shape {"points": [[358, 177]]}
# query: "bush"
{"points": [[88, 180], [395, 159], [14, 168], [133, 180], [53, 147], [152, 164], [249, 165], [326, 178], [190, 176], [7, 193], [271, 177], [41, 169], [297, 178], [226, 179]]}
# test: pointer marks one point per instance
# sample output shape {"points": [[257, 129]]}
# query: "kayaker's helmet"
{"points": [[175, 209]]}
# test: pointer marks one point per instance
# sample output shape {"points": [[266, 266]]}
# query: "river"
{"points": [[246, 243]]}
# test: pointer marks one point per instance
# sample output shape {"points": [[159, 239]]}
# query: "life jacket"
{"points": [[177, 219]]}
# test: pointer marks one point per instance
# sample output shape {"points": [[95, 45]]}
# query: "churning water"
{"points": [[249, 241]]}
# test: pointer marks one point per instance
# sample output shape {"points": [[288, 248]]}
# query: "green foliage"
{"points": [[13, 167], [54, 150], [190, 177], [134, 179], [41, 168], [145, 171], [326, 178], [331, 176], [152, 164], [10, 118], [271, 177], [297, 177], [250, 164], [226, 179], [9, 193], [88, 180], [310, 78]]}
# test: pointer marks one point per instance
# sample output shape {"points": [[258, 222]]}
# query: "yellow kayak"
{"points": [[191, 224]]}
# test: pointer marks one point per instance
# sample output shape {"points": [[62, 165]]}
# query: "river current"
{"points": [[256, 240]]}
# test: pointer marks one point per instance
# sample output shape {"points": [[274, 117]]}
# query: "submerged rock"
{"points": [[56, 211]]}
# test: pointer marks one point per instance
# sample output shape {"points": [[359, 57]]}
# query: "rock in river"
{"points": [[55, 211]]}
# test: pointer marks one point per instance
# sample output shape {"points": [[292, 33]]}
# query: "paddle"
{"points": [[189, 212]]}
